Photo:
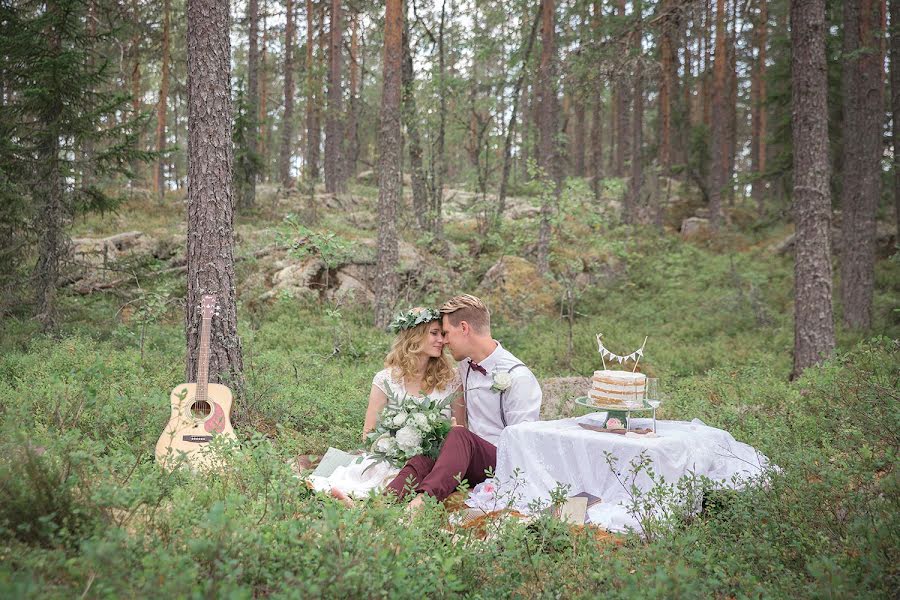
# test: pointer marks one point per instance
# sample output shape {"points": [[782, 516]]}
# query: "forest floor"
{"points": [[85, 510]]}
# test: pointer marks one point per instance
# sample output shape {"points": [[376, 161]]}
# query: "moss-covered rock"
{"points": [[515, 291]]}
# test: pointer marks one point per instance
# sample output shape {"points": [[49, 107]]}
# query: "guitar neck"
{"points": [[203, 363]]}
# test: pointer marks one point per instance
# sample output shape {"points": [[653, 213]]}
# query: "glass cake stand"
{"points": [[618, 408]]}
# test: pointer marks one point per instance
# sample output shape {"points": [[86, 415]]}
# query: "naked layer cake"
{"points": [[618, 389]]}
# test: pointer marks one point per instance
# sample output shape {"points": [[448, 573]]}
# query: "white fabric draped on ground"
{"points": [[359, 477], [534, 458]]}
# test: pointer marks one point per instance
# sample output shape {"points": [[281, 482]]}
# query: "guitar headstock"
{"points": [[208, 306]]}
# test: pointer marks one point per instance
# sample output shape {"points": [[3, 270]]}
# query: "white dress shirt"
{"points": [[521, 402]]}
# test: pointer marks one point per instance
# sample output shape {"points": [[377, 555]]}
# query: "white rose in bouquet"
{"points": [[400, 419], [408, 438], [382, 443], [421, 421]]}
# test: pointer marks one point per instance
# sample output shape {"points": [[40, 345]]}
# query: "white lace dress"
{"points": [[362, 476]]}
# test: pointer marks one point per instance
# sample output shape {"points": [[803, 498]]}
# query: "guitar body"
{"points": [[193, 424], [200, 412]]}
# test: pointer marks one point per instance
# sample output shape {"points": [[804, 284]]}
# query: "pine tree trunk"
{"points": [[863, 121], [637, 128], [262, 119], [613, 132], [759, 116], [52, 217], [718, 116], [596, 144], [159, 179], [352, 130], [623, 130], [210, 250], [580, 131], [895, 105], [706, 40], [548, 123], [136, 104], [176, 139], [247, 189], [511, 125], [389, 184], [335, 181], [597, 112], [287, 124], [813, 320], [49, 193], [439, 168], [313, 128], [87, 146], [730, 146], [668, 74], [410, 119]]}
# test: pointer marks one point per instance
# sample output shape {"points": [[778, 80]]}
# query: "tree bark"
{"points": [[439, 168], [718, 124], [730, 146], [248, 186], [159, 181], [863, 121], [895, 106], [637, 132], [389, 184], [813, 320], [580, 131], [352, 130], [313, 127], [410, 119], [52, 215], [335, 181], [623, 130], [759, 118], [210, 251], [511, 125], [136, 103], [597, 112], [262, 119], [87, 146], [548, 129], [668, 76], [287, 125]]}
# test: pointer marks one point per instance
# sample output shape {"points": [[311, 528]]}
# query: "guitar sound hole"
{"points": [[201, 409]]}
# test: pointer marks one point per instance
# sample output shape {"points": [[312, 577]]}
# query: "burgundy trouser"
{"points": [[464, 455]]}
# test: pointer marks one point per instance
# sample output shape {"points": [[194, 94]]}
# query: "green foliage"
{"points": [[248, 163], [303, 241], [61, 124], [83, 506]]}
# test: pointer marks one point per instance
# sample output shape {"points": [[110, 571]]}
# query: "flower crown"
{"points": [[411, 318]]}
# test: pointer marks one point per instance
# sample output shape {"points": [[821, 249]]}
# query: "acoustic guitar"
{"points": [[200, 411]]}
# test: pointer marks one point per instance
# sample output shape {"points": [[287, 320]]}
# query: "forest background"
{"points": [[720, 176]]}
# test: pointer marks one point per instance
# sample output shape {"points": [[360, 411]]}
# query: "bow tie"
{"points": [[477, 367]]}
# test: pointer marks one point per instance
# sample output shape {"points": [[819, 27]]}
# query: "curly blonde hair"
{"points": [[403, 360]]}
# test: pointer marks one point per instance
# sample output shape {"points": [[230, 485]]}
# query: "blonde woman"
{"points": [[415, 366]]}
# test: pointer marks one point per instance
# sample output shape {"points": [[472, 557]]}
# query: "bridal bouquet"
{"points": [[408, 427]]}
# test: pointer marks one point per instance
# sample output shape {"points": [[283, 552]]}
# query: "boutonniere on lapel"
{"points": [[500, 381]]}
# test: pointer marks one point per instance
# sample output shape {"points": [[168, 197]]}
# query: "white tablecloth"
{"points": [[548, 453]]}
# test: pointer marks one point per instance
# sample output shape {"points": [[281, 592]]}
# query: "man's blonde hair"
{"points": [[470, 309]]}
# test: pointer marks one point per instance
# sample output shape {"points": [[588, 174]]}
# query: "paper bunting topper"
{"points": [[613, 357]]}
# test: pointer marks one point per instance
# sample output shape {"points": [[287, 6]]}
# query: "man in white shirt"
{"points": [[499, 391]]}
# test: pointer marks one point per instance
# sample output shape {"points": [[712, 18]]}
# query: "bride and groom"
{"points": [[489, 389]]}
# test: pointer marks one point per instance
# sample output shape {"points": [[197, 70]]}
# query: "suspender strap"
{"points": [[503, 410]]}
